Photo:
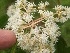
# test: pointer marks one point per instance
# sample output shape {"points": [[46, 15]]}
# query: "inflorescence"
{"points": [[36, 34]]}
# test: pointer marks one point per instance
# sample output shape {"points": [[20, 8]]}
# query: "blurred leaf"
{"points": [[19, 50], [65, 2], [3, 9], [3, 21], [65, 30], [60, 46]]}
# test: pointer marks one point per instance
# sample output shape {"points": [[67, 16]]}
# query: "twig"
{"points": [[58, 2], [32, 0], [33, 23]]}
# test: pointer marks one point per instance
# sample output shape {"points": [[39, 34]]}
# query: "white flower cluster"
{"points": [[34, 37], [43, 5], [62, 12]]}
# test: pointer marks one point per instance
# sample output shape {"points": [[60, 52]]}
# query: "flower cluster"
{"points": [[38, 35], [62, 12]]}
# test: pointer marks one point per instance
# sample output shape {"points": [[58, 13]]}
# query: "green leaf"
{"points": [[61, 46], [3, 9], [65, 2], [65, 30]]}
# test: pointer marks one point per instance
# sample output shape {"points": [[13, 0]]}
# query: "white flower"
{"points": [[29, 7], [63, 13], [47, 14], [52, 30], [19, 2], [59, 7], [45, 51], [35, 31], [27, 17], [46, 3], [43, 5], [11, 10]]}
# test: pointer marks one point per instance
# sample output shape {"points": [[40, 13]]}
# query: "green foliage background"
{"points": [[63, 44]]}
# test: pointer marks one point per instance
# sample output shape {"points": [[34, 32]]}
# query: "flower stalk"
{"points": [[58, 2]]}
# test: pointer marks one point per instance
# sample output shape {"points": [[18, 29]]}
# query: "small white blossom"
{"points": [[46, 13], [63, 13], [27, 17], [11, 10], [43, 5]]}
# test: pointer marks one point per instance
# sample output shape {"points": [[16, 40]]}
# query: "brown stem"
{"points": [[33, 23], [58, 2], [31, 0]]}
